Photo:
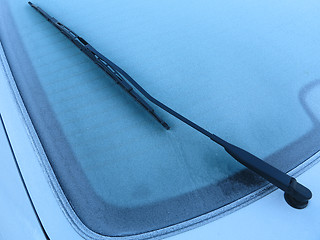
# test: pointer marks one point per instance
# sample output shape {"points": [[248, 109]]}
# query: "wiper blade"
{"points": [[105, 64], [295, 194]]}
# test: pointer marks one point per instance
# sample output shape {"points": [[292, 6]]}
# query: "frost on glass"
{"points": [[240, 69]]}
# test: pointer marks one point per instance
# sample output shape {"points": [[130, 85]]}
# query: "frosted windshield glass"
{"points": [[241, 70]]}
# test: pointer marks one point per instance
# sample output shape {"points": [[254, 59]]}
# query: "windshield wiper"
{"points": [[295, 194], [104, 63]]}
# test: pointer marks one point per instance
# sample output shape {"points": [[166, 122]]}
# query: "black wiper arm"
{"points": [[104, 63], [296, 194]]}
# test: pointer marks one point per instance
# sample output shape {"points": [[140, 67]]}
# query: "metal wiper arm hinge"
{"points": [[296, 194]]}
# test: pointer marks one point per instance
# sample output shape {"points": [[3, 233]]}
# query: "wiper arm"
{"points": [[104, 63], [295, 194]]}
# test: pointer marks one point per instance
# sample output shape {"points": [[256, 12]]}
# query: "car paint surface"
{"points": [[18, 219]]}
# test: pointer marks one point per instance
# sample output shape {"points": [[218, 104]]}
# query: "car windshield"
{"points": [[245, 70]]}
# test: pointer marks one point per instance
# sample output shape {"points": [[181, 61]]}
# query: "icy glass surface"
{"points": [[241, 69]]}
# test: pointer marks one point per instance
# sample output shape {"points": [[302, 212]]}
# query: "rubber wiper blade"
{"points": [[105, 64], [295, 194]]}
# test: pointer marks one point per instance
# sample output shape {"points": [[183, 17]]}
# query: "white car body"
{"points": [[268, 218]]}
